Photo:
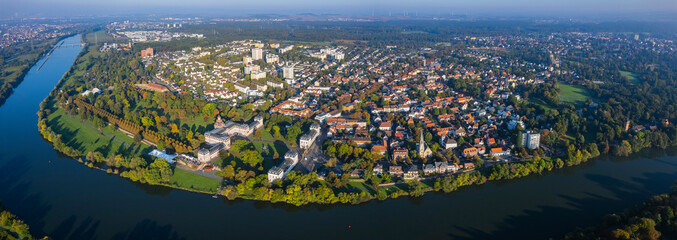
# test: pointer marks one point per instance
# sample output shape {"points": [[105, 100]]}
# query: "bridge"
{"points": [[70, 45]]}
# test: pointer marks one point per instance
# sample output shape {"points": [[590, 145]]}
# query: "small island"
{"points": [[305, 121]]}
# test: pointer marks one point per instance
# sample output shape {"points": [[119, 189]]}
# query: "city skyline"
{"points": [[431, 8]]}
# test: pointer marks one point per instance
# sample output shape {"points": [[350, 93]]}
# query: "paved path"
{"points": [[200, 172]]}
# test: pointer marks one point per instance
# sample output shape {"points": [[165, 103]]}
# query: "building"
{"points": [[291, 158], [429, 169], [400, 154], [223, 131], [288, 72], [257, 54], [246, 60], [275, 173], [441, 167], [448, 143], [257, 74], [275, 84], [307, 139], [251, 68], [471, 151], [272, 58], [411, 173], [498, 152], [423, 150], [395, 171], [529, 139], [148, 52], [207, 154]]}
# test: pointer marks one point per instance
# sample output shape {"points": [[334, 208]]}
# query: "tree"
{"points": [[293, 132], [138, 138], [623, 149], [252, 157], [209, 110], [416, 189], [158, 172], [228, 172]]}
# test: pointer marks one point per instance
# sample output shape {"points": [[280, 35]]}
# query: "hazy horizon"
{"points": [[497, 8]]}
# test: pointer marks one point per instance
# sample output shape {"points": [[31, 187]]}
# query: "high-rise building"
{"points": [[530, 139], [288, 72], [257, 54]]}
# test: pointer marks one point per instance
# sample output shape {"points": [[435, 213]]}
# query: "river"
{"points": [[61, 198]]}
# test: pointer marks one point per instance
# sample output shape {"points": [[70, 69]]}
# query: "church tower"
{"points": [[423, 149], [219, 123]]}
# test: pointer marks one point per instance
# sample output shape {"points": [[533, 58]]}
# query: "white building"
{"points": [[207, 154], [448, 143], [275, 84], [246, 60], [530, 139], [285, 49], [288, 72], [251, 68], [257, 54], [307, 139], [291, 158], [272, 58]]}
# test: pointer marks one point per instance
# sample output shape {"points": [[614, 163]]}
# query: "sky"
{"points": [[533, 8]]}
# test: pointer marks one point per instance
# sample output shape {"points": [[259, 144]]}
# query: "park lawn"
{"points": [[82, 137], [631, 76], [573, 94], [265, 135], [186, 179], [280, 148], [541, 103]]}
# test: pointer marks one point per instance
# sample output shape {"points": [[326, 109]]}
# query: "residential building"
{"points": [[257, 54], [529, 139]]}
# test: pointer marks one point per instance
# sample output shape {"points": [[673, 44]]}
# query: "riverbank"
{"points": [[299, 189], [653, 219], [12, 228], [14, 68]]}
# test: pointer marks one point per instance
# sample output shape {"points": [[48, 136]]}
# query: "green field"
{"points": [[540, 102], [87, 139], [631, 76], [573, 94], [278, 147], [185, 179]]}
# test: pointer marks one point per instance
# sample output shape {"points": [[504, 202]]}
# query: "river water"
{"points": [[61, 198]]}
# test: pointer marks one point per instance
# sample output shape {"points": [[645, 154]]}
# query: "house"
{"points": [[497, 152], [400, 154], [429, 169], [395, 171], [348, 107], [378, 169], [380, 149], [453, 167], [450, 144], [411, 173], [357, 173], [441, 167], [471, 151], [385, 126], [468, 165]]}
